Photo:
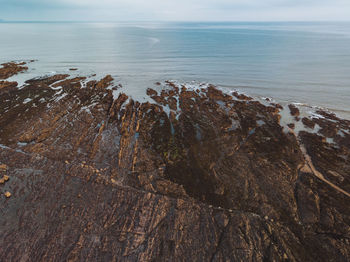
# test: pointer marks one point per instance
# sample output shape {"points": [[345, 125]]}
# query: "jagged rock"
{"points": [[215, 179], [46, 81], [71, 83], [242, 96], [172, 101], [105, 82], [277, 106], [6, 86], [151, 92], [294, 111], [10, 69], [308, 122]]}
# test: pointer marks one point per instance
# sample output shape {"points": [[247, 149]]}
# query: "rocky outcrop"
{"points": [[294, 111], [198, 174], [12, 68]]}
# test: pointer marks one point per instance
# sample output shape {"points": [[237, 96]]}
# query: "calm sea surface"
{"points": [[296, 62]]}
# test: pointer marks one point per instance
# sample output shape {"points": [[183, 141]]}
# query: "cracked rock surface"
{"points": [[195, 175]]}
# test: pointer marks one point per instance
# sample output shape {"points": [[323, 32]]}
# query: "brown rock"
{"points": [[242, 96], [7, 86], [70, 83], [144, 186], [46, 81], [308, 122], [294, 111], [172, 103], [277, 106], [11, 69], [104, 82], [151, 92]]}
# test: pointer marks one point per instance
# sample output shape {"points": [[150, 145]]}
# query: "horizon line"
{"points": [[172, 21]]}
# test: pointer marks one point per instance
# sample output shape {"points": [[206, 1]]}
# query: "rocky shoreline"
{"points": [[197, 174]]}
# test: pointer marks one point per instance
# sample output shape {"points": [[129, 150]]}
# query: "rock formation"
{"points": [[196, 175], [12, 68]]}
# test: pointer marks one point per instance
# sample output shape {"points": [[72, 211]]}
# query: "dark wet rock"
{"points": [[151, 92], [294, 111], [104, 82], [291, 125], [308, 122], [6, 86], [277, 106], [10, 69], [241, 96], [71, 82], [173, 86], [331, 160], [215, 179], [328, 115], [309, 204], [159, 100], [117, 87], [47, 80], [73, 69], [172, 101], [329, 130]]}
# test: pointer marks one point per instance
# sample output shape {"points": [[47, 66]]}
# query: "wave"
{"points": [[153, 40]]}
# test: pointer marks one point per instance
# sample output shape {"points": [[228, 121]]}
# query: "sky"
{"points": [[175, 10]]}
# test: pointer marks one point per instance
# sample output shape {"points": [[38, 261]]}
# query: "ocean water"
{"points": [[290, 62]]}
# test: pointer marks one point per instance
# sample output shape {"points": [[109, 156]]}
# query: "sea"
{"points": [[292, 62]]}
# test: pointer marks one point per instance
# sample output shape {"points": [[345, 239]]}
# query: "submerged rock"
{"points": [[197, 175]]}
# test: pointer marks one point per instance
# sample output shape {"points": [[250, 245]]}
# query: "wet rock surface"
{"points": [[12, 68], [294, 111], [196, 174]]}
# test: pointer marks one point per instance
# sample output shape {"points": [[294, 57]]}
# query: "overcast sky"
{"points": [[175, 10]]}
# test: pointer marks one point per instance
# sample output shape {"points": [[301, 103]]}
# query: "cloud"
{"points": [[188, 10]]}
